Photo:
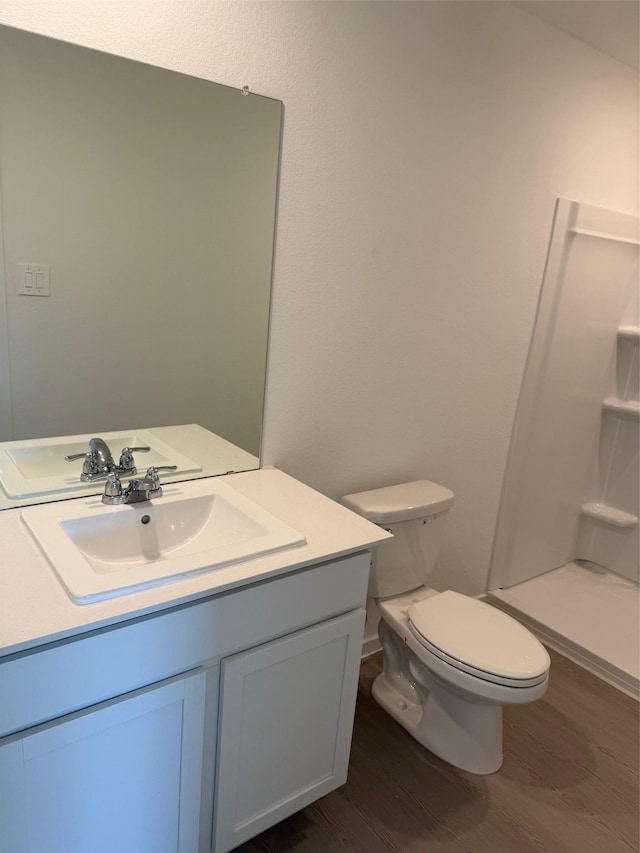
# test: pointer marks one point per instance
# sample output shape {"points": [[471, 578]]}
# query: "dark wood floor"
{"points": [[569, 783]]}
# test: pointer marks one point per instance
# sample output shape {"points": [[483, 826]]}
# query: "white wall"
{"points": [[424, 146]]}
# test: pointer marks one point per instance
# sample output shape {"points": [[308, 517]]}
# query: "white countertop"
{"points": [[35, 609]]}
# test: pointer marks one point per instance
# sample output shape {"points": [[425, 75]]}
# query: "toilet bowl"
{"points": [[450, 662]]}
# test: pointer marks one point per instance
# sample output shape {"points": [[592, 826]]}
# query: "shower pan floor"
{"points": [[590, 615]]}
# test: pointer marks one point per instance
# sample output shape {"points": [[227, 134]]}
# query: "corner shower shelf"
{"points": [[609, 515], [629, 333], [601, 235], [622, 408]]}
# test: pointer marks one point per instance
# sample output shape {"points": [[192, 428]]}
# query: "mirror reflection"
{"points": [[138, 209]]}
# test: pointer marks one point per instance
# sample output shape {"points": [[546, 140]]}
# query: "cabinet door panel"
{"points": [[123, 776], [285, 728]]}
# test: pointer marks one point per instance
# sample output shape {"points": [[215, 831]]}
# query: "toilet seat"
{"points": [[478, 639]]}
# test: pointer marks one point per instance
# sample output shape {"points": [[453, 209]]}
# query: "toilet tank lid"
{"points": [[403, 502]]}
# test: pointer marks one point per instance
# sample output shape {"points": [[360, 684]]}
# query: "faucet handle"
{"points": [[127, 462], [153, 480], [91, 464], [152, 472], [113, 493], [113, 486], [72, 457]]}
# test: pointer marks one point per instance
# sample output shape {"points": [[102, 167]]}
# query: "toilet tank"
{"points": [[416, 515]]}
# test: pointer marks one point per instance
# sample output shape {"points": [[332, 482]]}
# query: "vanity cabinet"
{"points": [[186, 731], [124, 775]]}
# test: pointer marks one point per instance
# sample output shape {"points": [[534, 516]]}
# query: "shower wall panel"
{"points": [[556, 464]]}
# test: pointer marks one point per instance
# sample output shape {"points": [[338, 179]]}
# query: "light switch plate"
{"points": [[33, 279]]}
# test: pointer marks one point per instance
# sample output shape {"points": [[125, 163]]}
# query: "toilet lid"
{"points": [[479, 639]]}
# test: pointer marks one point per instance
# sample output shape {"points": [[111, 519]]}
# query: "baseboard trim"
{"points": [[370, 647]]}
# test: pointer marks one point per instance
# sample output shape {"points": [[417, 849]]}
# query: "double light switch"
{"points": [[33, 279]]}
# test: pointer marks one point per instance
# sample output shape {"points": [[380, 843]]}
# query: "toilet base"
{"points": [[453, 713], [463, 733], [462, 728]]}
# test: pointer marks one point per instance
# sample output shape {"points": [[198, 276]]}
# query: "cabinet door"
{"points": [[286, 720], [121, 776]]}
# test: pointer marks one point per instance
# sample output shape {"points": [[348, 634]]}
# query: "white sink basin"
{"points": [[100, 552], [38, 466]]}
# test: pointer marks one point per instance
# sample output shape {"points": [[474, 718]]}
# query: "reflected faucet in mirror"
{"points": [[98, 460]]}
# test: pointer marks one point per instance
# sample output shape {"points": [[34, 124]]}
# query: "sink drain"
{"points": [[145, 519]]}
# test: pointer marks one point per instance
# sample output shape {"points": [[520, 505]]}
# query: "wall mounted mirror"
{"points": [[138, 210]]}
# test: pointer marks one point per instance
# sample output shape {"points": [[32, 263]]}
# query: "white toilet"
{"points": [[450, 661]]}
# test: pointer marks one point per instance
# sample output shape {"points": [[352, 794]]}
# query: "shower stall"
{"points": [[565, 558]]}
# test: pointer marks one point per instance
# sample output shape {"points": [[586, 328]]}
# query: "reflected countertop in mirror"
{"points": [[35, 470], [138, 209]]}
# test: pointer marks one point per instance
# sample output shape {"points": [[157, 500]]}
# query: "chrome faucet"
{"points": [[141, 489], [98, 460]]}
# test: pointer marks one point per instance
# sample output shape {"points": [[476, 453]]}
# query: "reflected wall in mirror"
{"points": [[148, 198]]}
